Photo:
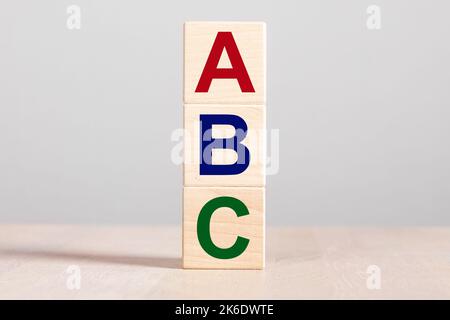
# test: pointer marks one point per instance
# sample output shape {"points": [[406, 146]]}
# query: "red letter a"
{"points": [[238, 70]]}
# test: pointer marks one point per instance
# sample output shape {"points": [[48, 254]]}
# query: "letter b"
{"points": [[208, 143]]}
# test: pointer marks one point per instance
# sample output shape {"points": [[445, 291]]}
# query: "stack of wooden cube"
{"points": [[224, 166]]}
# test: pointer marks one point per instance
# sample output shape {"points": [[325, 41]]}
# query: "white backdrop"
{"points": [[86, 115]]}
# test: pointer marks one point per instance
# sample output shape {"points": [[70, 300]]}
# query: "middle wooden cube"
{"points": [[224, 145]]}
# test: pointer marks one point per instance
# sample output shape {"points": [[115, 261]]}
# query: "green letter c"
{"points": [[204, 233]]}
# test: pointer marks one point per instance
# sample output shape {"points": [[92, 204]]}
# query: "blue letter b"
{"points": [[208, 143]]}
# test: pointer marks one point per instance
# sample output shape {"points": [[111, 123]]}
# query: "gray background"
{"points": [[86, 115]]}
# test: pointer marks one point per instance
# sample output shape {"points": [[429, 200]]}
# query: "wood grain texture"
{"points": [[250, 38], [255, 141], [129, 262], [225, 228]]}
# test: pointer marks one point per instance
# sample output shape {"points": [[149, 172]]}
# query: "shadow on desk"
{"points": [[143, 261]]}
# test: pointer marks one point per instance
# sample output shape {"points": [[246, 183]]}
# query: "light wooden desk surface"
{"points": [[130, 262]]}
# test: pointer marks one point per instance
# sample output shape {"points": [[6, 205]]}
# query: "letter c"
{"points": [[204, 232]]}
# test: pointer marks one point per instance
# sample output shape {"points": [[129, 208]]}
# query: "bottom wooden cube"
{"points": [[223, 228]]}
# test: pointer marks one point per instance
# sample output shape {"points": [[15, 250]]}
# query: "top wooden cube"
{"points": [[225, 63]]}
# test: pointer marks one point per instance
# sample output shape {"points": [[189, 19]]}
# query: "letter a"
{"points": [[224, 40]]}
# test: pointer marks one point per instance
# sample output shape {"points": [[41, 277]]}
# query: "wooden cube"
{"points": [[254, 141], [232, 47], [223, 228]]}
